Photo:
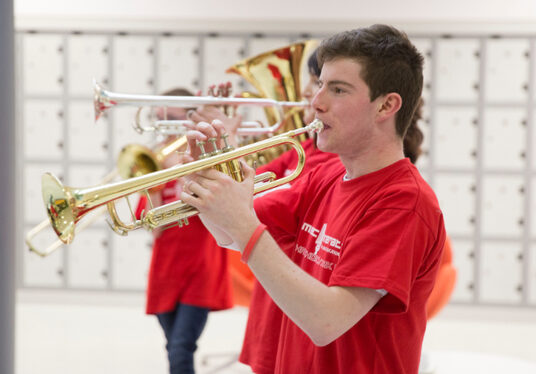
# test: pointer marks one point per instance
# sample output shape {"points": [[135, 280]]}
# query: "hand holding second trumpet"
{"points": [[212, 113]]}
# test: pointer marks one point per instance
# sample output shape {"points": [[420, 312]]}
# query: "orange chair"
{"points": [[444, 285], [242, 279]]}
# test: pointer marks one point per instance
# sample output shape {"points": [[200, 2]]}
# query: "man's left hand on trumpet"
{"points": [[225, 205]]}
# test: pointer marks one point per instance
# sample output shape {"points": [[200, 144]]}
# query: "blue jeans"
{"points": [[182, 327]]}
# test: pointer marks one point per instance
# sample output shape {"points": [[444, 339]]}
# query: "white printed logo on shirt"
{"points": [[323, 241]]}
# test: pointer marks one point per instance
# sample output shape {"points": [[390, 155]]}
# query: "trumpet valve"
{"points": [[201, 145], [227, 147], [215, 149]]}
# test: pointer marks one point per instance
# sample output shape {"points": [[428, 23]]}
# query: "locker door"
{"points": [[42, 67], [505, 133], [130, 259], [507, 70], [456, 195], [87, 259], [43, 129], [220, 53], [133, 64], [458, 67], [123, 133], [43, 271], [456, 137], [463, 257], [88, 141], [501, 272], [502, 206], [87, 60], [178, 63]]}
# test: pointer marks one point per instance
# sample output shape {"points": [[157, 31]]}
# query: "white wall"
{"points": [[513, 15]]}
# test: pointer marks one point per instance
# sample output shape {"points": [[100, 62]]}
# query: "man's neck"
{"points": [[371, 160]]}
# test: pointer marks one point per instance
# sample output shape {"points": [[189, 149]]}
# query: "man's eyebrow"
{"points": [[337, 83]]}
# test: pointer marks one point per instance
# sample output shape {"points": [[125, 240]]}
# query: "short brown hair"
{"points": [[389, 61]]}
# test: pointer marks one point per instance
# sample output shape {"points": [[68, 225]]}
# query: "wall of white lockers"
{"points": [[478, 124]]}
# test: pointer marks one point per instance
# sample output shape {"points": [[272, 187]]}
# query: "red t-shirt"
{"points": [[187, 266], [383, 230], [259, 348]]}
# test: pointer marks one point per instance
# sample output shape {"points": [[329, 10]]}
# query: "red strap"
{"points": [[252, 241]]}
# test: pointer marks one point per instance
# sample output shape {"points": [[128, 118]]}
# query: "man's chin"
{"points": [[322, 146]]}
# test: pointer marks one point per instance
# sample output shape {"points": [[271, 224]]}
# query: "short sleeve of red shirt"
{"points": [[388, 247], [279, 210]]}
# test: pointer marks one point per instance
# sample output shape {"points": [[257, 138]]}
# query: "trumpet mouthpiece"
{"points": [[316, 126]]}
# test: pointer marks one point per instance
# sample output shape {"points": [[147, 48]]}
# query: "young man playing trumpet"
{"points": [[367, 230]]}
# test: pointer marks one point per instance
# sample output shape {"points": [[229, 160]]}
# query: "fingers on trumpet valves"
{"points": [[194, 137], [207, 133]]}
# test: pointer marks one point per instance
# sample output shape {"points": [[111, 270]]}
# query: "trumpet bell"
{"points": [[100, 100], [135, 160], [60, 211]]}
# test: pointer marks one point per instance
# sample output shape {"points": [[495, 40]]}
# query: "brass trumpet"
{"points": [[65, 206]]}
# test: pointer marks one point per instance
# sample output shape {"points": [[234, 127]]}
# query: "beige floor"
{"points": [[88, 332]]}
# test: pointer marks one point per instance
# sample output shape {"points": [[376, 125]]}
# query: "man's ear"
{"points": [[389, 105]]}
